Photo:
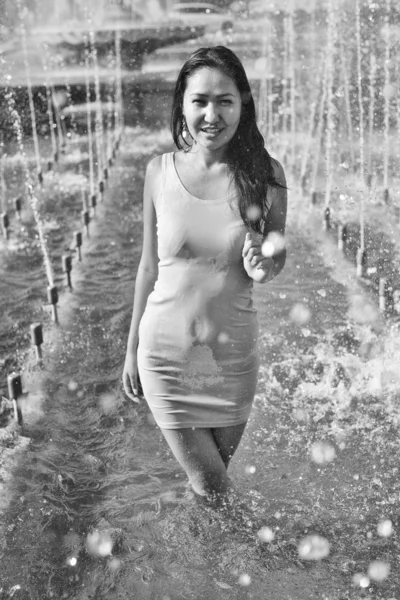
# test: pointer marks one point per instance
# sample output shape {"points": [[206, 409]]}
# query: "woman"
{"points": [[207, 209]]}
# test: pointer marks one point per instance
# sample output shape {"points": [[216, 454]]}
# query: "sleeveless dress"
{"points": [[197, 354]]}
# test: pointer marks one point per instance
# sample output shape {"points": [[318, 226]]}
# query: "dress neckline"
{"points": [[212, 200]]}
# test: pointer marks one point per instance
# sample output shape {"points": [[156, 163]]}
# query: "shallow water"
{"points": [[96, 460]]}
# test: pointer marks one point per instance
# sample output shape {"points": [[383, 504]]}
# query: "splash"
{"points": [[34, 202]]}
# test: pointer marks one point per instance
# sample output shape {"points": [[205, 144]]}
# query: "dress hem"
{"points": [[202, 425]]}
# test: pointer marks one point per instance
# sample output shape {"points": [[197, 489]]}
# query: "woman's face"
{"points": [[212, 107]]}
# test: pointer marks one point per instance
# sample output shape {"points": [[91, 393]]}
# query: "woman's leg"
{"points": [[227, 440], [197, 452]]}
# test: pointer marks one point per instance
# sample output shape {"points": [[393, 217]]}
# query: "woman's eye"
{"points": [[198, 101]]}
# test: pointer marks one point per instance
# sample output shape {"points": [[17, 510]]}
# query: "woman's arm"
{"points": [[264, 258], [147, 274]]}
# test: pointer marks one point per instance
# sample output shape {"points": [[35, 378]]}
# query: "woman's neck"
{"points": [[207, 159]]}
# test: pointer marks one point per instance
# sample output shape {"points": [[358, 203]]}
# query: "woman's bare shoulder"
{"points": [[153, 179], [154, 166]]}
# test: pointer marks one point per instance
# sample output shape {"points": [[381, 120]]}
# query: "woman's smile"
{"points": [[212, 108], [212, 131]]}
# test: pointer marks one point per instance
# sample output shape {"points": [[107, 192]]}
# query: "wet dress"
{"points": [[197, 353]]}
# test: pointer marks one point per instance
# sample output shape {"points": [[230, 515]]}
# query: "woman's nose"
{"points": [[211, 115]]}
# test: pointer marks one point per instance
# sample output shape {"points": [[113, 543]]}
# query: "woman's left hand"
{"points": [[257, 266]]}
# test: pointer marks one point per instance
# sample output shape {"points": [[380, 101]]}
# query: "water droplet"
{"points": [[361, 310], [114, 564], [249, 469], [253, 212], [378, 570], [99, 543], [322, 453], [107, 403], [300, 414], [385, 528], [273, 244], [72, 561], [313, 547], [361, 580], [223, 338], [244, 579], [322, 293], [266, 534], [300, 314], [72, 386]]}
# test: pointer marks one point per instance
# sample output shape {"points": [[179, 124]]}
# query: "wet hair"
{"points": [[248, 161]]}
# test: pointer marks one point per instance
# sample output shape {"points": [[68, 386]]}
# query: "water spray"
{"points": [[361, 259], [43, 243], [89, 120], [348, 112], [309, 135], [119, 110], [99, 132], [331, 51], [318, 135], [292, 78], [30, 97], [386, 113], [62, 133], [51, 126], [285, 87], [372, 85]]}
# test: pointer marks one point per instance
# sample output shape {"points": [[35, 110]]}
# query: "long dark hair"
{"points": [[248, 160]]}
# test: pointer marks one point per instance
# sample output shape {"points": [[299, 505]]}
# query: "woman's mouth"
{"points": [[213, 131]]}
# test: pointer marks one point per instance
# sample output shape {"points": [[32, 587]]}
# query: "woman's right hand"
{"points": [[130, 376]]}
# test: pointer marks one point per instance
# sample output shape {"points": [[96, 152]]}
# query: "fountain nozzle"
{"points": [[15, 391], [5, 223], [52, 297], [37, 339]]}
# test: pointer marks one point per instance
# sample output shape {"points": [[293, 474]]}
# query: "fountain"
{"points": [[101, 503]]}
